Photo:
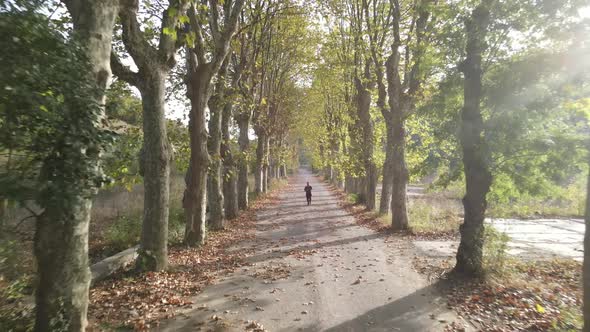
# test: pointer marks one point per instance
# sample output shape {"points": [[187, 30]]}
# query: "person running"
{"points": [[308, 193]]}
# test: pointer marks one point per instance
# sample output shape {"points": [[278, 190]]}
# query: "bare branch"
{"points": [[199, 49], [134, 39], [169, 44], [213, 19], [124, 72]]}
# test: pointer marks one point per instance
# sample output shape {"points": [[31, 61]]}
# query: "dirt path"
{"points": [[314, 269]]}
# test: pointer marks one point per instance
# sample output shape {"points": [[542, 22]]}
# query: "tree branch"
{"points": [[199, 49], [213, 19], [169, 44], [124, 72], [222, 45], [135, 42]]}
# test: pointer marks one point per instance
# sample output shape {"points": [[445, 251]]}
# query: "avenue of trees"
{"points": [[235, 63], [488, 94]]}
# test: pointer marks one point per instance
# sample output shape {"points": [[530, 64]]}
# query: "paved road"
{"points": [[543, 238], [529, 239], [314, 269]]}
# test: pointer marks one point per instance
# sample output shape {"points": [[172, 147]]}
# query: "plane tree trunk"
{"points": [[475, 159], [586, 272], [260, 157], [230, 176], [215, 189], [586, 268], [387, 184], [155, 165], [243, 162], [154, 65], [369, 189], [195, 195], [201, 69], [265, 163], [61, 234], [400, 176], [401, 99]]}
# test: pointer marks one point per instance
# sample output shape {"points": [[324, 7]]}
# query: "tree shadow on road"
{"points": [[280, 253], [423, 310], [278, 213]]}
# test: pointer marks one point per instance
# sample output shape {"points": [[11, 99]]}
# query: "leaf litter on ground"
{"points": [[140, 301]]}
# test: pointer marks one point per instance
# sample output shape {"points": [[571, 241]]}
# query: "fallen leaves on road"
{"points": [[273, 272], [357, 281], [252, 326], [140, 301], [301, 254]]}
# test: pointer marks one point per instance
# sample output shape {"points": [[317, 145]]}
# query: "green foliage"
{"points": [[427, 217], [50, 126], [123, 105], [16, 309], [353, 198], [535, 128], [179, 139], [570, 319], [494, 250], [176, 226], [506, 200], [12, 266], [121, 160], [123, 233]]}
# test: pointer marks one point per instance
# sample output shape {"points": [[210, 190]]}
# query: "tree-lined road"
{"points": [[314, 269]]}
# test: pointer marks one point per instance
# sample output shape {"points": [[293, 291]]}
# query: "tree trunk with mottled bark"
{"points": [[154, 64], [265, 164], [230, 177], [243, 168], [195, 195], [369, 189], [3, 212], [586, 272], [202, 66], [475, 159], [61, 234], [399, 213], [155, 165], [395, 154], [402, 99], [259, 172], [387, 184], [214, 182]]}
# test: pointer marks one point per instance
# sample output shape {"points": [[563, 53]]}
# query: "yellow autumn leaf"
{"points": [[540, 309]]}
